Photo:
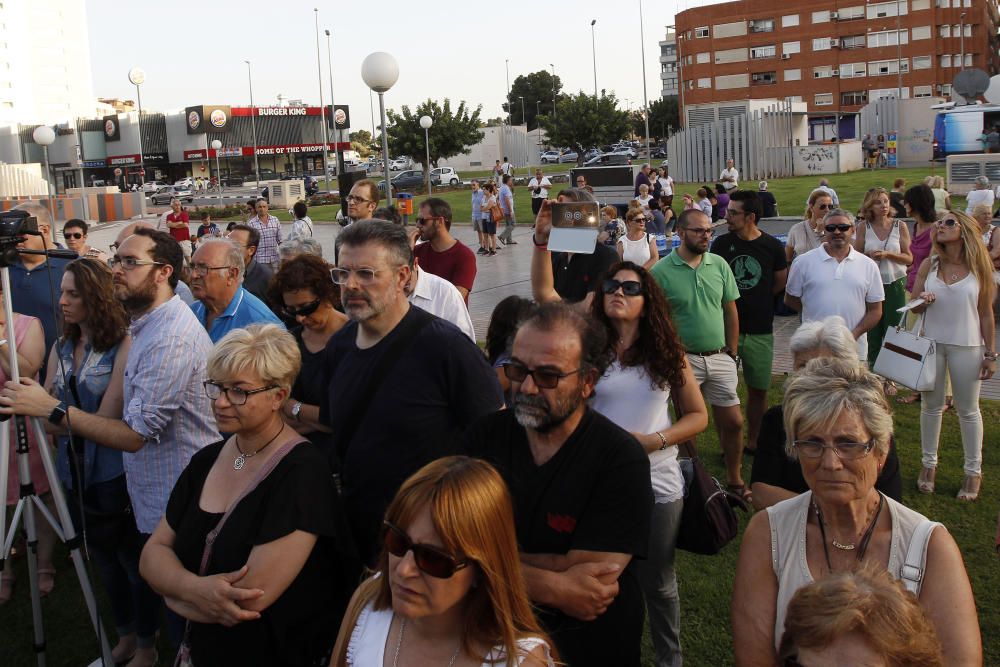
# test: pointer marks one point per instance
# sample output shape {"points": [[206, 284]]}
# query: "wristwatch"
{"points": [[296, 409], [992, 356], [58, 413]]}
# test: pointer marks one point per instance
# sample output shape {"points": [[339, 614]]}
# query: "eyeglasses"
{"points": [[364, 276], [703, 231], [822, 207], [129, 263], [354, 199], [202, 269], [947, 222], [628, 287], [847, 451], [72, 235], [424, 221], [234, 395], [430, 560], [838, 228], [544, 378], [305, 309], [638, 218]]}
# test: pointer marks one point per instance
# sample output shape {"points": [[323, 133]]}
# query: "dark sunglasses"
{"points": [[629, 287], [304, 310], [73, 235], [430, 560], [424, 221], [823, 207], [544, 378], [838, 228], [947, 222]]}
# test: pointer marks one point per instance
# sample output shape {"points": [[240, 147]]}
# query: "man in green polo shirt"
{"points": [[702, 293]]}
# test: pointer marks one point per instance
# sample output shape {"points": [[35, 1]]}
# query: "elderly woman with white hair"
{"points": [[776, 476], [838, 424], [253, 550], [982, 194], [299, 246]]}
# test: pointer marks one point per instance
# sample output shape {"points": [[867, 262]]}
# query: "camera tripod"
{"points": [[29, 502]]}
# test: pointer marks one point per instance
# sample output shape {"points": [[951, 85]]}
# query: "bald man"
{"points": [[182, 290]]}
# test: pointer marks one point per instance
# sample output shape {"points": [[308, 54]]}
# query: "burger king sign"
{"points": [[207, 118]]}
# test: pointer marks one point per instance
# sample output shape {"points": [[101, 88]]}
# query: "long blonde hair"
{"points": [[973, 254], [868, 204], [472, 513]]}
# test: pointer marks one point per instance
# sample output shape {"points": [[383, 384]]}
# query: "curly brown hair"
{"points": [[106, 317], [658, 348], [304, 272]]}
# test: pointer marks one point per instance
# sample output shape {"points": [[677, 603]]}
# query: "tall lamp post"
{"points": [[593, 48], [645, 100], [253, 129], [137, 77], [217, 146], [336, 131], [426, 122], [322, 109], [380, 72], [552, 65], [44, 136]]}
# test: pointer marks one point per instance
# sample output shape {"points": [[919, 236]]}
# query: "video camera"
{"points": [[14, 227]]}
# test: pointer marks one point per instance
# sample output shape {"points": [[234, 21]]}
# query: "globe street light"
{"points": [[253, 129], [44, 136], [217, 146], [138, 77], [380, 72], [322, 109], [426, 122]]}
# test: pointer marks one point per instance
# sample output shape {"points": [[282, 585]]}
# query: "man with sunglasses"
{"points": [[836, 279], [580, 485], [441, 253], [216, 282]]}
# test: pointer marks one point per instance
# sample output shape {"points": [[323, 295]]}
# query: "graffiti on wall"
{"points": [[816, 160]]}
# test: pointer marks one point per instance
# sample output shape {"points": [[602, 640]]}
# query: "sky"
{"points": [[193, 52]]}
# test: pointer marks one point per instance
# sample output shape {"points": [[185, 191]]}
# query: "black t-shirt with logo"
{"points": [[754, 264], [594, 494]]}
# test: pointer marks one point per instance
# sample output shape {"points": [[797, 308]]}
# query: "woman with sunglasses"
{"points": [[75, 234], [808, 234], [956, 284], [636, 245], [448, 589], [887, 241], [309, 297], [253, 550], [649, 368]]}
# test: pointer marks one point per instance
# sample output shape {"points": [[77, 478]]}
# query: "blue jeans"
{"points": [[659, 584]]}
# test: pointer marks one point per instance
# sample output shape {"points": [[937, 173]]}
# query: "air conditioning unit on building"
{"points": [[834, 16], [834, 42], [835, 72], [786, 56]]}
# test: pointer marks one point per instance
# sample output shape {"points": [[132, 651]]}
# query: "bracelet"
{"points": [[544, 246], [663, 441], [992, 356]]}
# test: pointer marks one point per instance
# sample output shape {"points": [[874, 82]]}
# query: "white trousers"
{"points": [[963, 363]]}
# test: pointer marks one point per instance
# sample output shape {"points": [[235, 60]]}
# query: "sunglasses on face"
{"points": [[823, 207], [947, 222], [73, 235], [628, 287], [430, 560], [545, 378], [838, 228], [423, 221], [305, 309]]}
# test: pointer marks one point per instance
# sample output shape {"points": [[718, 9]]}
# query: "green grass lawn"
{"points": [[705, 581]]}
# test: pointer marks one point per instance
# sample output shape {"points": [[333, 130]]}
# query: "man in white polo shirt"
{"points": [[539, 188], [836, 279]]}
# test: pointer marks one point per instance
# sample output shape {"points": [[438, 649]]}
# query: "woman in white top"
{"points": [[839, 424], [644, 198], [991, 237], [887, 241], [983, 194], [956, 284], [449, 588], [634, 393], [302, 227], [636, 245], [808, 234]]}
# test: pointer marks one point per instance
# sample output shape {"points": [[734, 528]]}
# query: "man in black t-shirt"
{"points": [[434, 385], [580, 486], [761, 270], [769, 205]]}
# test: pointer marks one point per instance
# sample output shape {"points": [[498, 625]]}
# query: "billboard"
{"points": [[207, 118], [112, 130], [341, 114]]}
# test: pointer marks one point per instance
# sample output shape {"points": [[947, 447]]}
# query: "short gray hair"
{"points": [[831, 333], [38, 211], [819, 394], [234, 255], [391, 237], [982, 182], [838, 213], [295, 247]]}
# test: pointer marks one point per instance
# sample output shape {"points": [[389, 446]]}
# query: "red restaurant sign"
{"points": [[195, 155], [275, 111], [247, 151], [115, 160]]}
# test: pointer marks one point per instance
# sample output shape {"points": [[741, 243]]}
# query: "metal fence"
{"points": [[760, 143], [880, 116]]}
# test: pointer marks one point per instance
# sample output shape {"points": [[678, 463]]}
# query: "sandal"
{"points": [[6, 588], [46, 580], [909, 400], [889, 387], [742, 491], [970, 488], [925, 483], [949, 403]]}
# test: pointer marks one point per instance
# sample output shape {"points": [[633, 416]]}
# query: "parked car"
{"points": [[232, 181], [445, 175], [405, 180], [550, 156], [590, 154], [608, 159], [658, 153], [165, 194], [186, 182], [400, 163], [152, 186]]}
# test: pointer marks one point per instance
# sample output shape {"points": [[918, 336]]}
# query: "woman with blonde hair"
{"points": [[956, 284], [637, 245], [942, 198], [808, 234], [449, 588]]}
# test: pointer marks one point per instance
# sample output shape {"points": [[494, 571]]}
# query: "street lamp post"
{"points": [[253, 129], [380, 72], [593, 48], [553, 90], [138, 77], [322, 109], [524, 119], [217, 146], [44, 136], [336, 131], [645, 100], [426, 122]]}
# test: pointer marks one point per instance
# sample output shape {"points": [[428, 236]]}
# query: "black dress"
{"points": [[300, 627], [310, 388]]}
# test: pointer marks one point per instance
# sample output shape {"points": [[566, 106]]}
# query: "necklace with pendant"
{"points": [[865, 539], [399, 644], [241, 460]]}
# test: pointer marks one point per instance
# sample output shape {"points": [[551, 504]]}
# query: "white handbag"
{"points": [[907, 357]]}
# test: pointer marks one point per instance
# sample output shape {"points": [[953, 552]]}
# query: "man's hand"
{"points": [[590, 589], [217, 597], [27, 398], [543, 222]]}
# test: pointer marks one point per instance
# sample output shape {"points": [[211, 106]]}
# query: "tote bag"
{"points": [[907, 358]]}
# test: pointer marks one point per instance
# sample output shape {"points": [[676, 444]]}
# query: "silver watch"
{"points": [[296, 409]]}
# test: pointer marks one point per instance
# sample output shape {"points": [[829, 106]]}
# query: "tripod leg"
{"points": [[27, 490]]}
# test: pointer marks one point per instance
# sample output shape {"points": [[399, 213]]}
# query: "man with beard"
{"points": [[166, 416], [702, 292], [403, 384], [580, 486], [441, 253]]}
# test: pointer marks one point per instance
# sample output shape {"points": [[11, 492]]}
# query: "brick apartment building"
{"points": [[835, 56]]}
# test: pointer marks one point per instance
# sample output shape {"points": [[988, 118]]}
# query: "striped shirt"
{"points": [[270, 237], [166, 404]]}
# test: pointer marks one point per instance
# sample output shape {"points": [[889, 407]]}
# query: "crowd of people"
{"points": [[312, 462]]}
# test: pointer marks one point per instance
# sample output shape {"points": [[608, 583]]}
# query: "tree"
{"points": [[537, 90], [361, 141], [663, 115], [582, 121], [450, 135]]}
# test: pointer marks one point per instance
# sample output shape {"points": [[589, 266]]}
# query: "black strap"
{"points": [[687, 447]]}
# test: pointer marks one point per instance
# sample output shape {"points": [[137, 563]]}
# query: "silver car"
{"points": [[164, 195]]}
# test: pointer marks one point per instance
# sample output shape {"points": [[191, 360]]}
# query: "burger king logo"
{"points": [[340, 117], [194, 120], [218, 118], [109, 128]]}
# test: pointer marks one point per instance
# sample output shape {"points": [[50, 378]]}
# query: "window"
{"points": [[821, 17], [944, 31], [790, 47], [854, 98], [763, 78], [758, 52], [793, 98], [920, 32], [789, 20], [762, 25], [821, 44], [945, 61], [705, 82], [853, 70], [922, 62], [922, 91], [944, 89], [701, 32], [851, 13], [852, 42], [734, 29], [884, 9], [732, 81], [823, 99], [701, 57], [793, 75], [882, 67], [824, 72], [731, 56], [887, 38], [917, 5], [968, 30], [968, 60]]}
